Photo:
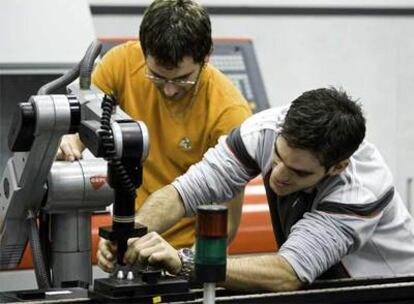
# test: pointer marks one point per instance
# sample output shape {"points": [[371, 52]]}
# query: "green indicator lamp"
{"points": [[211, 244]]}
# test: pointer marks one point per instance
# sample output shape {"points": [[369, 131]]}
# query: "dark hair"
{"points": [[327, 123], [172, 29]]}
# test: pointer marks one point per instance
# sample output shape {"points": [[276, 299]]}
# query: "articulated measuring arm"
{"points": [[38, 127], [23, 183]]}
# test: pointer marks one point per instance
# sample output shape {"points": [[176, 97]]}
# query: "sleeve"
{"points": [[232, 117], [219, 176], [324, 236], [104, 73]]}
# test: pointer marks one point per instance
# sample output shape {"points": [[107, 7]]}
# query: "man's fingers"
{"points": [[150, 249], [166, 257], [132, 240], [76, 153], [159, 257], [144, 254], [107, 255], [107, 249], [59, 154], [107, 267], [70, 148], [105, 264], [67, 151], [130, 256], [112, 246], [139, 249]]}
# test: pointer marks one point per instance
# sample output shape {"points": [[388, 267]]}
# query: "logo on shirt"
{"points": [[185, 144]]}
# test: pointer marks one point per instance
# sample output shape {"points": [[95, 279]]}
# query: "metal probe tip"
{"points": [[120, 275], [130, 275]]}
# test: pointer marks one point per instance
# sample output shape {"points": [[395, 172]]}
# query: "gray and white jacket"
{"points": [[356, 219]]}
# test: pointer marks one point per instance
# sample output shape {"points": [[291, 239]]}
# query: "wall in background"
{"points": [[43, 32]]}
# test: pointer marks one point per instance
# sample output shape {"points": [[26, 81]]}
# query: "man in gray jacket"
{"points": [[334, 208]]}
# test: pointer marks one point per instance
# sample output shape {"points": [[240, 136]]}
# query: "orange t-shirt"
{"points": [[178, 138]]}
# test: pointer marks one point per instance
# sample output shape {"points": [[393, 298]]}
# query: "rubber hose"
{"points": [[60, 82], [86, 66]]}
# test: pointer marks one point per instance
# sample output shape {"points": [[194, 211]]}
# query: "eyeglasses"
{"points": [[179, 82]]}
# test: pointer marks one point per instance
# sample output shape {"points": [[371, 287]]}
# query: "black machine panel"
{"points": [[237, 59]]}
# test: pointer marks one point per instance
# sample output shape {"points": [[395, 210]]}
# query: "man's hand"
{"points": [[106, 255], [70, 148], [152, 249]]}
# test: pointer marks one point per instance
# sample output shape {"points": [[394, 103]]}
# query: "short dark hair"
{"points": [[327, 123], [173, 29]]}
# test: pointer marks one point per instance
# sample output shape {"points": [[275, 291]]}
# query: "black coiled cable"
{"points": [[108, 102]]}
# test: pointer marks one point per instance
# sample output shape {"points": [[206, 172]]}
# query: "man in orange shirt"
{"points": [[165, 81]]}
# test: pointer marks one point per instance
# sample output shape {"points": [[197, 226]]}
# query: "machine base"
{"points": [[53, 295], [166, 289]]}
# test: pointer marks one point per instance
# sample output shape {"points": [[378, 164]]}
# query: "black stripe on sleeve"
{"points": [[236, 145], [364, 210]]}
